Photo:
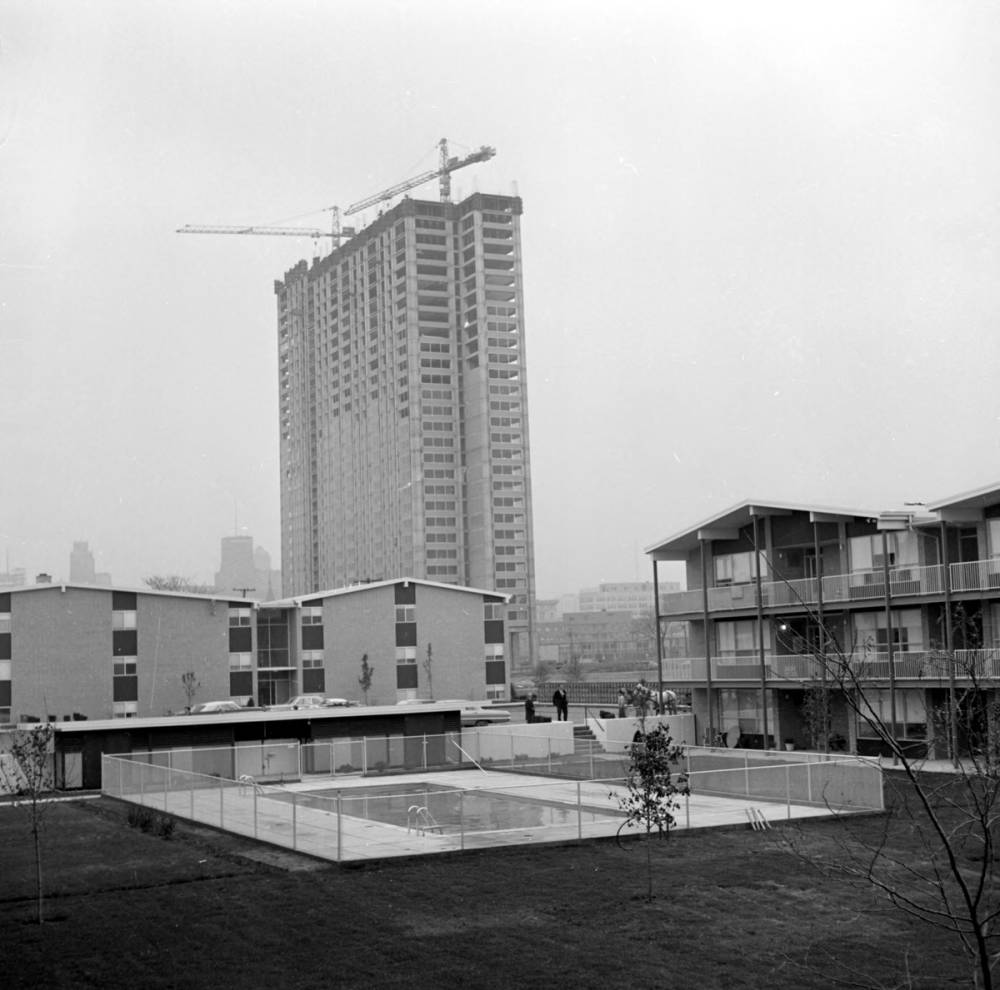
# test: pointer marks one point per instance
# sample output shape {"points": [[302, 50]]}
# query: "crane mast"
{"points": [[443, 172]]}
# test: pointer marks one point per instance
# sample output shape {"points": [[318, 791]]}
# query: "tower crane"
{"points": [[335, 232], [443, 172], [446, 166]]}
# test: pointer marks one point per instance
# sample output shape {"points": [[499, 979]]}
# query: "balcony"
{"points": [[917, 665], [857, 586]]}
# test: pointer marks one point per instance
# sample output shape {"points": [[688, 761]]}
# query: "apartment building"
{"points": [[68, 651], [403, 411], [774, 586]]}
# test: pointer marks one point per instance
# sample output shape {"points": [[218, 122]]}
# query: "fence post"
{"points": [[510, 739], [746, 772], [298, 758], [425, 750], [687, 809], [192, 797], [166, 789], [461, 819], [121, 782], [809, 781], [788, 789], [579, 813], [142, 785], [364, 756], [222, 800], [340, 830], [591, 761], [254, 788], [295, 820], [548, 739]]}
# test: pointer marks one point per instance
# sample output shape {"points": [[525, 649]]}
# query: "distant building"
{"points": [[246, 571], [81, 564], [13, 577], [635, 597]]}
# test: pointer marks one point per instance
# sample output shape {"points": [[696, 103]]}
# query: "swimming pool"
{"points": [[436, 808]]}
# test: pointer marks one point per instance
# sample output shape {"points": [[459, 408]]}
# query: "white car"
{"points": [[299, 701], [473, 713], [214, 707]]}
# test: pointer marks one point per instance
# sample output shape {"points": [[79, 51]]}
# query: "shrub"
{"points": [[141, 818], [165, 827]]}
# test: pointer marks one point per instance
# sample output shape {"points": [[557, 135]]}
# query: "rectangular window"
{"points": [[122, 619], [312, 658], [240, 661], [125, 709]]}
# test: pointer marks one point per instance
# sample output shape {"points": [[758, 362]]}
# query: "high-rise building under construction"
{"points": [[403, 412]]}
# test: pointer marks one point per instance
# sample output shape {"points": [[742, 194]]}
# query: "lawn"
{"points": [[733, 909]]}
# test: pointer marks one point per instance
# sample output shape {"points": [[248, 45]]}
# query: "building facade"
{"points": [[775, 588], [421, 639], [68, 651], [634, 597], [99, 652], [403, 410]]}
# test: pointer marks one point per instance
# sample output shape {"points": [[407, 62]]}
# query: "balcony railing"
{"points": [[857, 586], [919, 665]]}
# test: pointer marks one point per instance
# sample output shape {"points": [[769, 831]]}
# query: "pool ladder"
{"points": [[419, 819]]}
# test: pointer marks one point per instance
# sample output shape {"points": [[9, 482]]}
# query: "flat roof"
{"points": [[250, 716]]}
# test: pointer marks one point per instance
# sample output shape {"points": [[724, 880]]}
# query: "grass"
{"points": [[206, 910]]}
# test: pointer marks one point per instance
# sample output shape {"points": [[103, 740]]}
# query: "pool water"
{"points": [[447, 810]]}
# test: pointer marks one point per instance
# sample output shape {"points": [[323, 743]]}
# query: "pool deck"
{"points": [[259, 812], [364, 839]]}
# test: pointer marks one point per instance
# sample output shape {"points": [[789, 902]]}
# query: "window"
{"points": [[406, 613], [406, 672], [125, 709], [239, 616], [122, 619], [125, 666], [312, 658], [240, 662], [492, 610], [738, 568], [312, 615]]}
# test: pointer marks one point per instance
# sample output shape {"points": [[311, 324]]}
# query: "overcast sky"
{"points": [[761, 253]]}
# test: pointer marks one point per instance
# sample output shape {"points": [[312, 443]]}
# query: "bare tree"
{"points": [[29, 777], [953, 884], [174, 582], [428, 665], [365, 680], [191, 686]]}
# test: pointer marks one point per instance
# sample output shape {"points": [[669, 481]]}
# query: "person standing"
{"points": [[561, 703], [529, 709], [622, 702]]}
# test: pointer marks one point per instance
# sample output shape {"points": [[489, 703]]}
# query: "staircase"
{"points": [[584, 740]]}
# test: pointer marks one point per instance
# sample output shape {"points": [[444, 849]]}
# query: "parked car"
{"points": [[213, 707], [298, 702], [473, 713], [523, 689], [339, 703]]}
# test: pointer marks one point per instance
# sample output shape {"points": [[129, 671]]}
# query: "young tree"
{"points": [[191, 686], [365, 680], [654, 785], [428, 665], [29, 776]]}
